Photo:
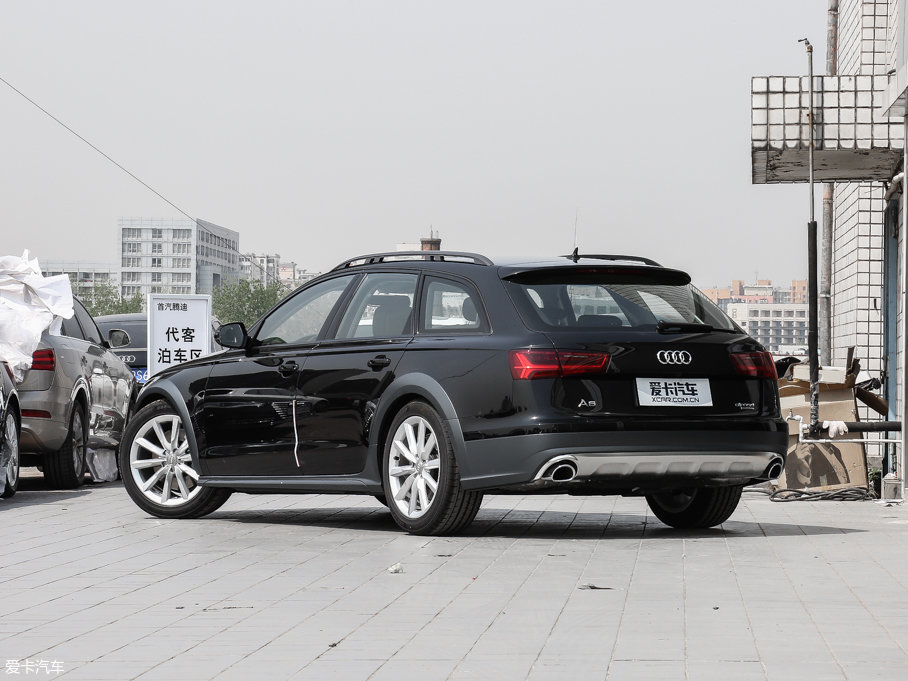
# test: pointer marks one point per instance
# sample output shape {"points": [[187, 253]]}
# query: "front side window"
{"points": [[451, 307], [381, 308], [300, 319]]}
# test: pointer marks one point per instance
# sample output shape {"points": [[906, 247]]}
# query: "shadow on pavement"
{"points": [[536, 524], [34, 491]]}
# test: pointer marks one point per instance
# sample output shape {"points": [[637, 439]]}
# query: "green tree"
{"points": [[104, 298], [245, 301]]}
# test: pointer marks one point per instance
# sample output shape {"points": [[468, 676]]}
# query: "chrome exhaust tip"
{"points": [[559, 471], [774, 470]]}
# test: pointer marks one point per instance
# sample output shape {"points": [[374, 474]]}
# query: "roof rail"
{"points": [[403, 256], [575, 256]]}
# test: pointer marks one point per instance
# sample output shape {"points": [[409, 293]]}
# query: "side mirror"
{"points": [[118, 338], [233, 335]]}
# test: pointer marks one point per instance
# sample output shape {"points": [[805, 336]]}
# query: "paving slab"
{"points": [[539, 588]]}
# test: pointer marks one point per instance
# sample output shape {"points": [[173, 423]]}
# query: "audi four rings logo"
{"points": [[674, 357], [128, 358]]}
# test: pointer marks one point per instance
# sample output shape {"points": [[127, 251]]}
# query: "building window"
{"points": [[157, 248], [132, 262], [181, 248], [132, 233], [157, 262], [132, 247], [130, 276], [157, 234], [156, 277], [182, 234]]}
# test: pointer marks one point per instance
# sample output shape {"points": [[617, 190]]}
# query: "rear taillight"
{"points": [[530, 364], [43, 360], [756, 364]]}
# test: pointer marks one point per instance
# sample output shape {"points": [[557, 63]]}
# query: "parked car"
{"points": [[76, 395], [10, 419], [128, 336], [429, 379]]}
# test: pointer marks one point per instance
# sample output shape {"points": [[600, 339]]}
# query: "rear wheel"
{"points": [[420, 475], [65, 468], [157, 466], [695, 507], [11, 454]]}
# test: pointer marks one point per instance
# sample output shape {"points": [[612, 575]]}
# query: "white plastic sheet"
{"points": [[29, 304]]}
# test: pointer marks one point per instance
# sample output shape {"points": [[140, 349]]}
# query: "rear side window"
{"points": [[607, 301], [451, 307], [381, 308], [87, 323]]}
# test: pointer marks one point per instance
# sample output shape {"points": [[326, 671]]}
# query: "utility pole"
{"points": [[812, 262], [825, 301]]}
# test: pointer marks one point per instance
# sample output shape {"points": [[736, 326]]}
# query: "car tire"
{"points": [[65, 468], [158, 470], [421, 477], [695, 508], [11, 447]]}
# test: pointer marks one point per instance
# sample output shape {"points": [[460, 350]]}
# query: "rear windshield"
{"points": [[611, 301]]}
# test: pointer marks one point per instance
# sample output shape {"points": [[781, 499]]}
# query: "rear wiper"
{"points": [[665, 326]]}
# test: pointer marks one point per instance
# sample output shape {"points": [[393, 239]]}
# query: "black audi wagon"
{"points": [[429, 378]]}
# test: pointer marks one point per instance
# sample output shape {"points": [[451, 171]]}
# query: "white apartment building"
{"points": [[261, 268], [82, 274], [175, 255], [776, 326]]}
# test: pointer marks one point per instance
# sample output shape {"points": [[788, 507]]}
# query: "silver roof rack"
{"points": [[405, 256]]}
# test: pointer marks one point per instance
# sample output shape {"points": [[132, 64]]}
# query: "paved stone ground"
{"points": [[540, 588]]}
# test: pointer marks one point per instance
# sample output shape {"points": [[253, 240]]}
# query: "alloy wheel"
{"points": [[11, 445], [160, 462], [413, 467]]}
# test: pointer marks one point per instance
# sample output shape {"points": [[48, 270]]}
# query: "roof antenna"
{"points": [[576, 214], [574, 256]]}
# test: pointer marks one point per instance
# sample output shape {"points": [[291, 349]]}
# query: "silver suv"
{"points": [[76, 395]]}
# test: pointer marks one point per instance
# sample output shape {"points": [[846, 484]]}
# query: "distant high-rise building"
{"points": [[83, 276], [176, 255], [262, 268], [774, 325]]}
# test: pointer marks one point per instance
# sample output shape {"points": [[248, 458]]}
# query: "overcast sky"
{"points": [[323, 130]]}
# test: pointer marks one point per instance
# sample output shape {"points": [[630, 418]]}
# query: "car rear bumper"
{"points": [[623, 461], [42, 435]]}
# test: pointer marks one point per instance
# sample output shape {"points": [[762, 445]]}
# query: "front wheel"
{"points": [[695, 507], [420, 475], [157, 467], [10, 453]]}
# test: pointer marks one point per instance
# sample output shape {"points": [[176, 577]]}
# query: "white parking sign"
{"points": [[179, 328]]}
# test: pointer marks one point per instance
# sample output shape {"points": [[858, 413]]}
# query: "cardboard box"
{"points": [[819, 466]]}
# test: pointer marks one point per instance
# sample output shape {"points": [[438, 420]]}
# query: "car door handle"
{"points": [[288, 368], [379, 362]]}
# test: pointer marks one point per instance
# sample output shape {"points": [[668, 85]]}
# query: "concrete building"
{"points": [[776, 326], [176, 255], [83, 275], [262, 268], [859, 123]]}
